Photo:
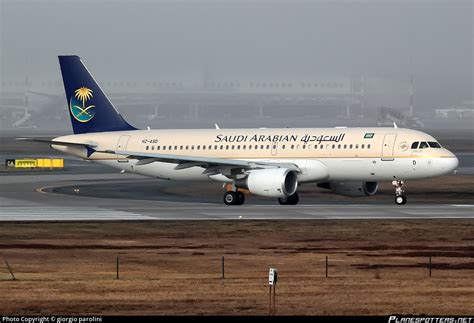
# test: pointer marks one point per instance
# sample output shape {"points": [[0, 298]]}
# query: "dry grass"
{"points": [[376, 267]]}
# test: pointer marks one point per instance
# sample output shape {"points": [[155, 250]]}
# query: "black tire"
{"points": [[293, 199], [230, 198], [283, 200], [289, 200], [401, 200], [240, 198]]}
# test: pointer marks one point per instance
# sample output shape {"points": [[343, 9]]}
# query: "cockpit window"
{"points": [[423, 145], [414, 145], [434, 144]]}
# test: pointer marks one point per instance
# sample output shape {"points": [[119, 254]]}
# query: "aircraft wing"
{"points": [[212, 165]]}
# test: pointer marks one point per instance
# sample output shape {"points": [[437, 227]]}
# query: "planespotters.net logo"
{"points": [[402, 319]]}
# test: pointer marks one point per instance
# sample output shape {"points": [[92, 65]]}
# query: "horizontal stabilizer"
{"points": [[59, 143], [89, 146]]}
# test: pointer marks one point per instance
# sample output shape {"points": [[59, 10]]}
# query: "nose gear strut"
{"points": [[400, 197]]}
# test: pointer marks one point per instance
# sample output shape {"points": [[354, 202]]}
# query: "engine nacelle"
{"points": [[351, 188], [272, 182]]}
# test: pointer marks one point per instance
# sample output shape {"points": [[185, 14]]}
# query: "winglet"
{"points": [[395, 125]]}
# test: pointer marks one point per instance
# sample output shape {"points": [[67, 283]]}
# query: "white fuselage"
{"points": [[322, 154]]}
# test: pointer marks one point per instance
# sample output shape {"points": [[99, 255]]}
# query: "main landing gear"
{"points": [[234, 198], [289, 200], [400, 197], [238, 198]]}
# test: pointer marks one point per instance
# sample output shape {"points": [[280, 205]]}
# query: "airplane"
{"points": [[265, 162]]}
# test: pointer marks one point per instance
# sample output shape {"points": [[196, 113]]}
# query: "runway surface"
{"points": [[111, 197], [248, 212]]}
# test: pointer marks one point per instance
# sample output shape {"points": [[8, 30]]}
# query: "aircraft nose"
{"points": [[449, 164]]}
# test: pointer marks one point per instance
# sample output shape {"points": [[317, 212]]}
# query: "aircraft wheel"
{"points": [[240, 198], [401, 200], [293, 199], [283, 200], [230, 198], [289, 200]]}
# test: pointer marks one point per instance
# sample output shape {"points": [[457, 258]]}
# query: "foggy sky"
{"points": [[432, 40]]}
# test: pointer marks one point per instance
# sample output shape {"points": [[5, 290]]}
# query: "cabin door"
{"points": [[388, 146], [122, 145]]}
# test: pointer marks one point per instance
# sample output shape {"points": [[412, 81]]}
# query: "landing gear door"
{"points": [[388, 146], [122, 145]]}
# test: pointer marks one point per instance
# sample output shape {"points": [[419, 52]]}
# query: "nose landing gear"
{"points": [[400, 197]]}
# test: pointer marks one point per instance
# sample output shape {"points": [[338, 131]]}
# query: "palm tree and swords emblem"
{"points": [[82, 113]]}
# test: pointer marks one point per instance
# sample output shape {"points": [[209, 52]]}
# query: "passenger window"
{"points": [[152, 147], [283, 147], [434, 144], [175, 147], [180, 147], [164, 147], [368, 146], [414, 145], [362, 146], [169, 148], [333, 146], [423, 145], [192, 147], [146, 147], [292, 146]]}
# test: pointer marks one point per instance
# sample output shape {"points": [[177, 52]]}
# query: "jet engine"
{"points": [[272, 182], [351, 188]]}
